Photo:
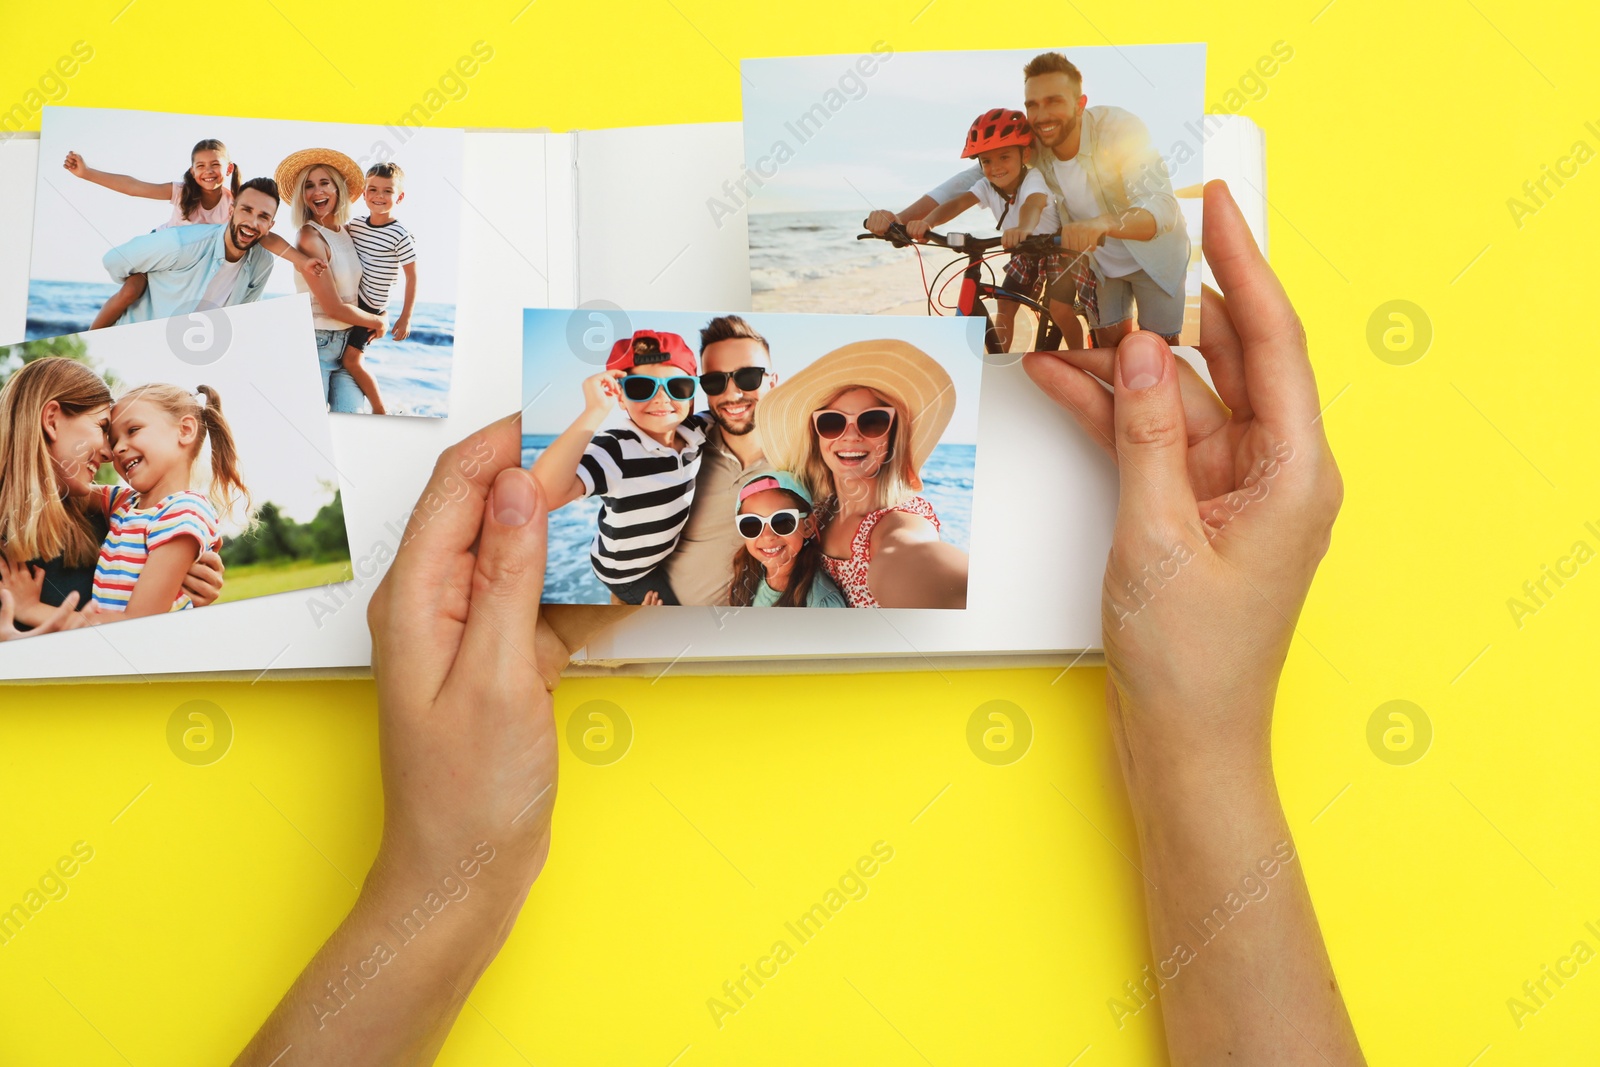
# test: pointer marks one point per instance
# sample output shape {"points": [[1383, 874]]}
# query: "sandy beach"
{"points": [[896, 289]]}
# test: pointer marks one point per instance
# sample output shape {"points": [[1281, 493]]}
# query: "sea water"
{"points": [[569, 579], [413, 375]]}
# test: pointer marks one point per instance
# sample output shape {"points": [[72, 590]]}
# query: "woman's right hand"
{"points": [[62, 618], [26, 585], [1227, 505], [75, 165], [917, 230]]}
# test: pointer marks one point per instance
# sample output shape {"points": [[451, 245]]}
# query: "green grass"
{"points": [[261, 579]]}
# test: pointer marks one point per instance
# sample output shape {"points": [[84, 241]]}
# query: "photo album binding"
{"points": [[782, 373]]}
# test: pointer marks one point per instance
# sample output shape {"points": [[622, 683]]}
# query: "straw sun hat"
{"points": [[918, 388], [355, 181]]}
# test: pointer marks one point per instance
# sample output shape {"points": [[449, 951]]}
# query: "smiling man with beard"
{"points": [[736, 372], [204, 266]]}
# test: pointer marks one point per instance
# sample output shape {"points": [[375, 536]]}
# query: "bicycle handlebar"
{"points": [[963, 242]]}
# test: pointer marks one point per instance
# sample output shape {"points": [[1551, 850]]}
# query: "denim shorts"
{"points": [[1159, 311], [339, 389]]}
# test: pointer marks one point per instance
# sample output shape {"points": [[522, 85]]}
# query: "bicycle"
{"points": [[974, 289]]}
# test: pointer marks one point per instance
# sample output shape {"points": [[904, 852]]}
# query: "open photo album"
{"points": [[722, 381]]}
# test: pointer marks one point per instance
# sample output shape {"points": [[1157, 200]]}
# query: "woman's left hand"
{"points": [[204, 581]]}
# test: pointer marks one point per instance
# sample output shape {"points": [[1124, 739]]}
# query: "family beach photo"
{"points": [[141, 477], [752, 460], [144, 215], [1055, 192]]}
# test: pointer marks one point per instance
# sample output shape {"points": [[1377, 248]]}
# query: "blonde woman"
{"points": [[856, 426], [54, 414], [320, 185]]}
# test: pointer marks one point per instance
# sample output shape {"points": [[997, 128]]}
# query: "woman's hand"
{"points": [[1228, 499], [25, 583], [464, 660], [60, 618], [204, 581], [1227, 504], [917, 230], [75, 165]]}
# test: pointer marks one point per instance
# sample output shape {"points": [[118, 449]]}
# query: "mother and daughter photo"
{"points": [[346, 244], [74, 552], [836, 485], [134, 484]]}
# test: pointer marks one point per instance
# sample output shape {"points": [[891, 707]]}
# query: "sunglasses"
{"points": [[748, 379], [873, 422], [642, 387], [783, 523]]}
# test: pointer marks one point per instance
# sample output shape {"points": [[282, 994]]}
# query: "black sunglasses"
{"points": [[641, 387], [748, 379]]}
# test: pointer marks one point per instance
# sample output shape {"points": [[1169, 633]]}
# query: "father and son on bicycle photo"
{"points": [[1085, 204]]}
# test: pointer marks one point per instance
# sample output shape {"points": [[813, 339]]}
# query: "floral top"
{"points": [[850, 575]]}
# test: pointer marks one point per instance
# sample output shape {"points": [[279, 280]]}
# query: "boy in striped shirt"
{"points": [[386, 250], [643, 473]]}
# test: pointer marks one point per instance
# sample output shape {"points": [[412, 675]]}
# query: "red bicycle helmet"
{"points": [[997, 129]]}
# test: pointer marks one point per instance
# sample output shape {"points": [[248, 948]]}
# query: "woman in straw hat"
{"points": [[856, 427], [320, 185]]}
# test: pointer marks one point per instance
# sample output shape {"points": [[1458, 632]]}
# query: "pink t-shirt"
{"points": [[217, 214]]}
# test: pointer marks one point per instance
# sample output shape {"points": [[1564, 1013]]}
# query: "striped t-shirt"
{"points": [[383, 250], [135, 531], [645, 489]]}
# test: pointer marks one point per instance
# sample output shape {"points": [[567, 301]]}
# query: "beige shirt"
{"points": [[700, 569]]}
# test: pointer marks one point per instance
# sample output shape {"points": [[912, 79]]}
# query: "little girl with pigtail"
{"points": [[160, 521]]}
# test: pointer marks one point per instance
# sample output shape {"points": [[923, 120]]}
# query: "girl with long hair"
{"points": [[159, 523], [204, 195], [780, 563]]}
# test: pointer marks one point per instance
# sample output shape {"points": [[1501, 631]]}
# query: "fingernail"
{"points": [[1140, 361], [512, 497]]}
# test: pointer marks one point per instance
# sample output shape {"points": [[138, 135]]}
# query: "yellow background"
{"points": [[1009, 914]]}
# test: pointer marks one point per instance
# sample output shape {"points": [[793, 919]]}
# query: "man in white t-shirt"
{"points": [[1107, 181]]}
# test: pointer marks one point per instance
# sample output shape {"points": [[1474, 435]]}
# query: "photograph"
{"points": [[146, 470], [1054, 193], [147, 215], [752, 460]]}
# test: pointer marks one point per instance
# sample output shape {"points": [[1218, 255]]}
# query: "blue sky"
{"points": [[76, 222], [553, 367], [903, 135]]}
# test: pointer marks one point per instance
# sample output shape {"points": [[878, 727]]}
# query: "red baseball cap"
{"points": [[649, 346]]}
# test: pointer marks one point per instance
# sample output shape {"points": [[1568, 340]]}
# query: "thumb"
{"points": [[507, 582], [1152, 435]]}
